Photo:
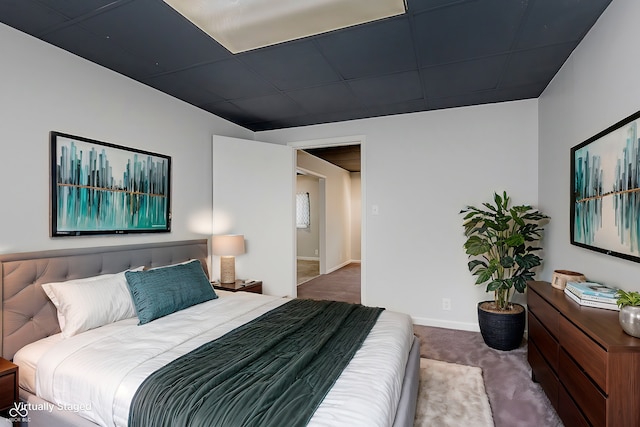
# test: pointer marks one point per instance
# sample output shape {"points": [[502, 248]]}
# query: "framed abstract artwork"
{"points": [[102, 188], [605, 191]]}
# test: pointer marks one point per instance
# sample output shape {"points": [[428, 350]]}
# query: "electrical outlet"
{"points": [[446, 304]]}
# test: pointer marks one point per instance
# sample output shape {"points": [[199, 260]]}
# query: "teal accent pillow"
{"points": [[162, 291]]}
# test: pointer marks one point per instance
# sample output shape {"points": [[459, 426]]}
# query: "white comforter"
{"points": [[96, 373]]}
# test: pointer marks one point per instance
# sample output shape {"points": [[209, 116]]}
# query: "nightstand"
{"points": [[8, 384], [240, 285]]}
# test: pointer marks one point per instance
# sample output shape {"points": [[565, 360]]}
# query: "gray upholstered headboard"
{"points": [[27, 313]]}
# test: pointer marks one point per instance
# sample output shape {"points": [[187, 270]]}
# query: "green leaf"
{"points": [[489, 206], [497, 199], [516, 218], [505, 200], [475, 263], [627, 298], [507, 262], [469, 215], [484, 275], [521, 208], [520, 283], [514, 240], [495, 285], [476, 246], [528, 261]]}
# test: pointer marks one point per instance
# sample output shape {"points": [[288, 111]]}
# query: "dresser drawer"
{"points": [[590, 356], [586, 395], [543, 374], [568, 411], [547, 345], [547, 315]]}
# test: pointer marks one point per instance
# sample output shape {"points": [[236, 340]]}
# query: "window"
{"points": [[303, 211]]}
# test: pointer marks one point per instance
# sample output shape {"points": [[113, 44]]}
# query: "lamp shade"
{"points": [[227, 245]]}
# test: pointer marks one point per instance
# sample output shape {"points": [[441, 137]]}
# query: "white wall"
{"points": [[308, 239], [597, 87], [421, 169], [43, 88]]}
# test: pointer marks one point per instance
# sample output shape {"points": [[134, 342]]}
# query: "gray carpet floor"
{"points": [[340, 285], [515, 400]]}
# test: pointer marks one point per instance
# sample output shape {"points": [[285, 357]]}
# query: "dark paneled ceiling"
{"points": [[440, 54], [346, 156]]}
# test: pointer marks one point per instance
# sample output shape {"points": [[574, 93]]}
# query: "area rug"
{"points": [[451, 395]]}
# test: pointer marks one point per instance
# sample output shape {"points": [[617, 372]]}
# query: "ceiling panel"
{"points": [[187, 90], [159, 38], [373, 49], [347, 157], [278, 107], [75, 8], [456, 78], [467, 30], [557, 21], [291, 65], [83, 43], [531, 66], [440, 54], [389, 89], [229, 79], [316, 100]]}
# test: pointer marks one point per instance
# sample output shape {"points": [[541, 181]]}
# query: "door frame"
{"points": [[342, 141]]}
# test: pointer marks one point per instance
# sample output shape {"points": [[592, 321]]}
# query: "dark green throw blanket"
{"points": [[272, 371]]}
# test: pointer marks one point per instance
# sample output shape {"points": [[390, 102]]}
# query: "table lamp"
{"points": [[227, 247]]}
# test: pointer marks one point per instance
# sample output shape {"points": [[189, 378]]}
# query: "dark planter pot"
{"points": [[501, 330]]}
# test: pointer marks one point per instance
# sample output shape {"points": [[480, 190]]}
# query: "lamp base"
{"points": [[227, 269]]}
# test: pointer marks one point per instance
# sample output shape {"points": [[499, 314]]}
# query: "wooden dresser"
{"points": [[586, 364]]}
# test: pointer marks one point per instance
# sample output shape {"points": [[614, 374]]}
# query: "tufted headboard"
{"points": [[27, 313]]}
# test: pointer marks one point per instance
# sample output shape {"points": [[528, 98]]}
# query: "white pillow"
{"points": [[91, 302], [170, 265]]}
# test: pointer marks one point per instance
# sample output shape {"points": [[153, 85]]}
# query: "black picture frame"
{"points": [[101, 188], [605, 191]]}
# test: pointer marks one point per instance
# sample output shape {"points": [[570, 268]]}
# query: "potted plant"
{"points": [[502, 253], [629, 303]]}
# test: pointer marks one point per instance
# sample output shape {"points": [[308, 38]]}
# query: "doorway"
{"points": [[342, 241]]}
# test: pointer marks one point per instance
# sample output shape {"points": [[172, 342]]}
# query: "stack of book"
{"points": [[592, 294]]}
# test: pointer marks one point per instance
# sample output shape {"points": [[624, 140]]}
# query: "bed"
{"points": [[380, 375]]}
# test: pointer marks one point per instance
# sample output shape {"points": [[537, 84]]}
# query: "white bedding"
{"points": [[97, 372]]}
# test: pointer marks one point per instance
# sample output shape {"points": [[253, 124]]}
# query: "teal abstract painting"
{"points": [[605, 205], [101, 188]]}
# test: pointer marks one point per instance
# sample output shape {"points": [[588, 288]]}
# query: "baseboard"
{"points": [[338, 267], [448, 324], [308, 258]]}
